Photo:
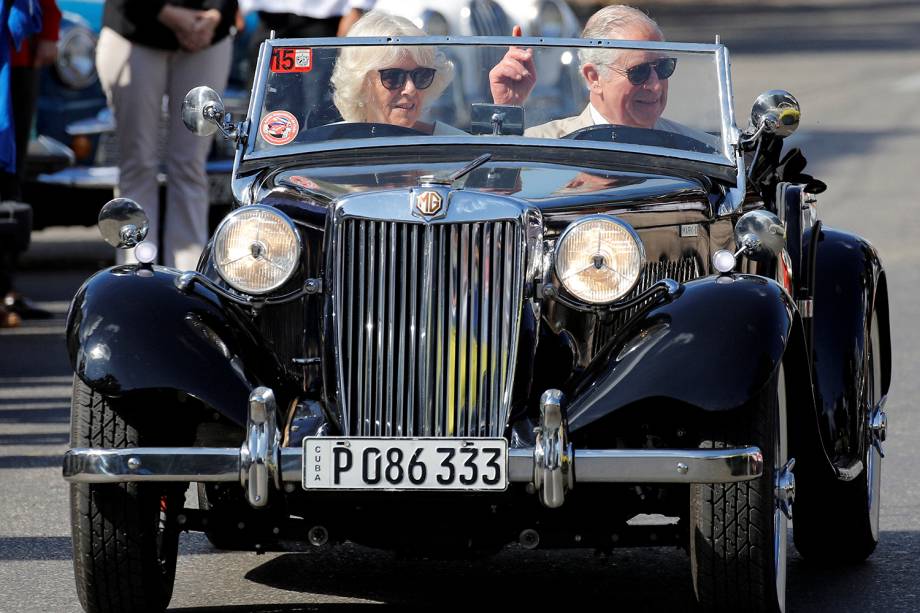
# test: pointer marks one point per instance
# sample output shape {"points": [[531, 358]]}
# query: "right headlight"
{"points": [[599, 259], [76, 59], [256, 249]]}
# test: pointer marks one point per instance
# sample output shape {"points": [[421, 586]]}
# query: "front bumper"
{"points": [[216, 464], [551, 466]]}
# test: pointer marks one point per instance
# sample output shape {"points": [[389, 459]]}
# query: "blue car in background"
{"points": [[69, 91]]}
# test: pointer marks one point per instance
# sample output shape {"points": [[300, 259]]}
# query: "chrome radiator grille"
{"points": [[427, 320], [682, 270]]}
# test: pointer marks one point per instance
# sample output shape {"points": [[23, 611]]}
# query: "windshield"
{"points": [[317, 94]]}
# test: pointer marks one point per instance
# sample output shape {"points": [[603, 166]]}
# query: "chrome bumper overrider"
{"points": [[552, 466]]}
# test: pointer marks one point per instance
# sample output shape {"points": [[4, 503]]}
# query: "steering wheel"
{"points": [[334, 131], [640, 136]]}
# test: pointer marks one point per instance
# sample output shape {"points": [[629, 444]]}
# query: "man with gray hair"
{"points": [[625, 87]]}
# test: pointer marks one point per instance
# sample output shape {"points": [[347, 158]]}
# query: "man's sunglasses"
{"points": [[395, 78], [640, 73]]}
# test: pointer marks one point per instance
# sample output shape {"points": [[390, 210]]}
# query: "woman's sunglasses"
{"points": [[395, 78], [640, 73]]}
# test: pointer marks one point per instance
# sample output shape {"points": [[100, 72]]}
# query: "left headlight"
{"points": [[76, 60], [599, 259], [256, 249]]}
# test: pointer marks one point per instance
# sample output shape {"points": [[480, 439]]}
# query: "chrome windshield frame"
{"points": [[728, 157]]}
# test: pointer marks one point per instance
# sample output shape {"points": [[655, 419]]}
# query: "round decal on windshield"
{"points": [[279, 127]]}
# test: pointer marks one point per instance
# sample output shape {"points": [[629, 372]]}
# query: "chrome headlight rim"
{"points": [[68, 75], [221, 227], [574, 226]]}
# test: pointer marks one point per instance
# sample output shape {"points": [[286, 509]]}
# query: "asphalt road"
{"points": [[855, 68]]}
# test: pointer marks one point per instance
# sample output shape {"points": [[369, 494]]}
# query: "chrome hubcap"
{"points": [[783, 492], [878, 430], [785, 489]]}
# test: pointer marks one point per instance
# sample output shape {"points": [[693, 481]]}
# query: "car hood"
{"points": [[550, 187]]}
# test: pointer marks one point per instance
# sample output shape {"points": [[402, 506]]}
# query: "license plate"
{"points": [[475, 464]]}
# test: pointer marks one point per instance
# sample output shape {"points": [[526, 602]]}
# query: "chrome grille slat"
{"points": [[462, 333], [496, 394], [425, 332], [425, 317], [369, 327], [358, 315], [413, 331], [392, 427], [482, 265], [440, 405], [451, 346], [341, 311], [506, 316], [473, 360], [404, 418], [378, 329]]}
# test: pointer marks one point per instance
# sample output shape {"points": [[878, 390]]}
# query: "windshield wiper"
{"points": [[450, 179]]}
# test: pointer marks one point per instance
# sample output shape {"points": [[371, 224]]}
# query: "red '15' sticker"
{"points": [[291, 59]]}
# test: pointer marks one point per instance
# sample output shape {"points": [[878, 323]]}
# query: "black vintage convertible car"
{"points": [[453, 341]]}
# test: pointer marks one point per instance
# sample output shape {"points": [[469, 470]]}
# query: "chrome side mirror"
{"points": [[123, 223], [760, 235], [203, 112], [775, 112]]}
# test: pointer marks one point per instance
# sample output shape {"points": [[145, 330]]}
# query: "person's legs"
{"points": [[134, 80], [186, 224], [24, 94], [15, 231], [24, 88]]}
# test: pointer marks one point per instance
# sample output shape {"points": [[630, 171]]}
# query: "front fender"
{"points": [[713, 347], [131, 329], [849, 285]]}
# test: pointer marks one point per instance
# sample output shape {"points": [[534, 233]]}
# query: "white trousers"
{"points": [[135, 79]]}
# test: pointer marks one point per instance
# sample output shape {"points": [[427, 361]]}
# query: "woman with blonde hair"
{"points": [[390, 84]]}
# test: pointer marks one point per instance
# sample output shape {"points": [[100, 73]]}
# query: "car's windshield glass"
{"points": [[651, 95]]}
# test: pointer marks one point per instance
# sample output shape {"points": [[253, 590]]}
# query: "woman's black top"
{"points": [[137, 20]]}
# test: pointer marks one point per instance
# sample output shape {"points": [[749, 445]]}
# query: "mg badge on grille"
{"points": [[428, 203]]}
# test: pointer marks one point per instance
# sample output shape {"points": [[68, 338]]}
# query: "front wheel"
{"points": [[739, 530], [125, 536]]}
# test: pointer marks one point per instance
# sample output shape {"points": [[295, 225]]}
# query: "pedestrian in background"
{"points": [[28, 41], [148, 49], [308, 18]]}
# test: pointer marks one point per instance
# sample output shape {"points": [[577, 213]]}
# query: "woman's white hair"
{"points": [[617, 22], [357, 65]]}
